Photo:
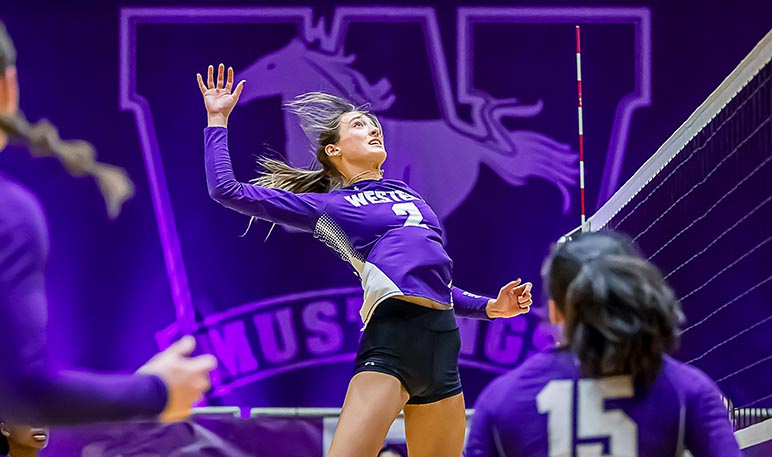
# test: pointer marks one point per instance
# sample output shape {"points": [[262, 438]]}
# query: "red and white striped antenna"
{"points": [[581, 123]]}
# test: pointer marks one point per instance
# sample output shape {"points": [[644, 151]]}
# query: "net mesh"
{"points": [[701, 210]]}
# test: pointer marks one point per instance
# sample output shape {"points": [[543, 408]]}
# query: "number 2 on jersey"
{"points": [[593, 421], [414, 216]]}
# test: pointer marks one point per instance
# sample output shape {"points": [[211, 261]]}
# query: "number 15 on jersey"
{"points": [[593, 421]]}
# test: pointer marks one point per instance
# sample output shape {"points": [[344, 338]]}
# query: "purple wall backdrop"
{"points": [[289, 337]]}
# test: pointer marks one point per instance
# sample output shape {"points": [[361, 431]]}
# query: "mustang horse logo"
{"points": [[432, 156]]}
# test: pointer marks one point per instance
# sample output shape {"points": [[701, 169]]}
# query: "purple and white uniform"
{"points": [[545, 408], [383, 228]]}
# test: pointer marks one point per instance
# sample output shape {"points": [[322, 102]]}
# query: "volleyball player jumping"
{"points": [[408, 354]]}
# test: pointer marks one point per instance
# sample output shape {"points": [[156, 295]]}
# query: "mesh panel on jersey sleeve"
{"points": [[330, 233]]}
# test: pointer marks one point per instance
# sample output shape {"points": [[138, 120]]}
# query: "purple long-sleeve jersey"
{"points": [[383, 228], [544, 408], [31, 392]]}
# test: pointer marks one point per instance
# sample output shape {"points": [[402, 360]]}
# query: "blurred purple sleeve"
{"points": [[69, 398], [278, 206], [30, 392], [708, 430], [467, 304]]}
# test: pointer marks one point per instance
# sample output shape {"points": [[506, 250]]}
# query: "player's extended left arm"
{"points": [[513, 299]]}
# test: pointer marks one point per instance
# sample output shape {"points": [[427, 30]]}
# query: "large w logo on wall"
{"points": [[481, 131]]}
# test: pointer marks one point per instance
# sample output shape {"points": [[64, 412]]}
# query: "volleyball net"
{"points": [[701, 210]]}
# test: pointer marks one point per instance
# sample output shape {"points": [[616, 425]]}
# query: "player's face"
{"points": [[21, 436], [9, 99], [361, 141]]}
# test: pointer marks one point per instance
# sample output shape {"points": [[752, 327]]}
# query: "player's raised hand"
{"points": [[219, 98]]}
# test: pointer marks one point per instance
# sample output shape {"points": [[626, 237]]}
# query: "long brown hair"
{"points": [[319, 115], [77, 156]]}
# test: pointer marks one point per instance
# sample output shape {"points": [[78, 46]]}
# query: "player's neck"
{"points": [[364, 175]]}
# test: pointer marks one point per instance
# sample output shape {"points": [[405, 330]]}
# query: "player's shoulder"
{"points": [[538, 369], [19, 207], [688, 378]]}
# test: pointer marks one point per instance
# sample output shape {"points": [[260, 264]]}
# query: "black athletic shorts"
{"points": [[417, 345]]}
